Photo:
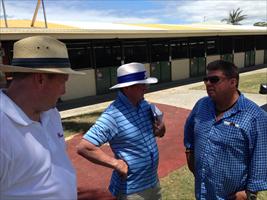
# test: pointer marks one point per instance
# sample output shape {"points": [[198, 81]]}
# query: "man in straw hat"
{"points": [[130, 128], [34, 164]]}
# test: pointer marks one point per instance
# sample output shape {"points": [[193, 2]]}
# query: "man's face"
{"points": [[218, 85], [136, 92], [54, 88]]}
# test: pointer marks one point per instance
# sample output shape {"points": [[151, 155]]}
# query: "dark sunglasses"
{"points": [[212, 79]]}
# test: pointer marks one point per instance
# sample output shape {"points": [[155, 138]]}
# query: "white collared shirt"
{"points": [[33, 159]]}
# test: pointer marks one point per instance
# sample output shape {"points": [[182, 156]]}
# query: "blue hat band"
{"points": [[132, 77], [42, 62]]}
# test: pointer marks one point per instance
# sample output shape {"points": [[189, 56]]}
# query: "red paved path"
{"points": [[93, 180]]}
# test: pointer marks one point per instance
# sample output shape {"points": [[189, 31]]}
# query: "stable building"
{"points": [[169, 52]]}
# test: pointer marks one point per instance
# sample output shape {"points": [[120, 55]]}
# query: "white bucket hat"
{"points": [[40, 54], [132, 74]]}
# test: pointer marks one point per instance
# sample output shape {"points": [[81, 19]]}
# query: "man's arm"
{"points": [[190, 160], [97, 156]]}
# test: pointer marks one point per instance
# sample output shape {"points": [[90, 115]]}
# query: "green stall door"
{"points": [[165, 71], [201, 66], [193, 67], [252, 58], [102, 80], [227, 57], [247, 58], [113, 76], [155, 70]]}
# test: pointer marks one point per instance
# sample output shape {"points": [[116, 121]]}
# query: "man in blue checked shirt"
{"points": [[129, 126], [225, 137]]}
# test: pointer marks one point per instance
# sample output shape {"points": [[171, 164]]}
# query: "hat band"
{"points": [[132, 77], [42, 62]]}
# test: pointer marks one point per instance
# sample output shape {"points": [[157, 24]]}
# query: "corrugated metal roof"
{"points": [[27, 24], [96, 31]]}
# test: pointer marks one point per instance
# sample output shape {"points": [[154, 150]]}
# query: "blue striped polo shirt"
{"points": [[230, 154], [129, 131]]}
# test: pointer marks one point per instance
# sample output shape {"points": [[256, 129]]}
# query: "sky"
{"points": [[136, 11]]}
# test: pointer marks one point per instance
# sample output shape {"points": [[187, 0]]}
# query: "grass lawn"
{"points": [[249, 83], [179, 185], [79, 124]]}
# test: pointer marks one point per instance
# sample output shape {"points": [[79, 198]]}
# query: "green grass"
{"points": [[179, 185], [248, 84], [79, 124]]}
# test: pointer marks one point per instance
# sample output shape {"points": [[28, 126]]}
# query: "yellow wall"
{"points": [[80, 85], [180, 69], [239, 59], [259, 57], [212, 58]]}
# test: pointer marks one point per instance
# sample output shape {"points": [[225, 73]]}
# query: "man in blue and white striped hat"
{"points": [[130, 128]]}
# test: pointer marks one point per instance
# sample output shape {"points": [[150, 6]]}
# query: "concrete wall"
{"points": [[80, 85], [239, 59], [212, 58], [259, 57], [180, 69]]}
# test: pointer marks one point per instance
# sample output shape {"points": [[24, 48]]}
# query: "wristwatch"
{"points": [[251, 195]]}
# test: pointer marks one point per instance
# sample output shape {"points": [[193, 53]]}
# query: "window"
{"points": [[135, 51], [159, 50], [107, 53], [212, 46], [197, 47], [79, 54], [239, 44], [226, 45], [249, 43], [179, 49], [261, 42]]}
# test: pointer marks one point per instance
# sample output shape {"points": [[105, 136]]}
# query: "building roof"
{"points": [[18, 29]]}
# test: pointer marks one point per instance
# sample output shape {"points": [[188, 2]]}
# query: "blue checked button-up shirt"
{"points": [[129, 131], [230, 154]]}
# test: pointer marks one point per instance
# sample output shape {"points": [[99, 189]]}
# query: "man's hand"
{"points": [[159, 128], [241, 195], [122, 167]]}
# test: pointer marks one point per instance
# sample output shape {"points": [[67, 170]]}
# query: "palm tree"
{"points": [[235, 17]]}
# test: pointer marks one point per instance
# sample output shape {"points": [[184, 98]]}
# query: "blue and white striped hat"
{"points": [[132, 74]]}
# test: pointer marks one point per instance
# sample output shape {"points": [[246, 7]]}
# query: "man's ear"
{"points": [[233, 82], [39, 79]]}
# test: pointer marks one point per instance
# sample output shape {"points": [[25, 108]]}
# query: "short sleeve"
{"points": [[102, 131]]}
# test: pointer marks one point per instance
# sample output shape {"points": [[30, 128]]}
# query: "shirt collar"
{"points": [[239, 106], [124, 99], [14, 112]]}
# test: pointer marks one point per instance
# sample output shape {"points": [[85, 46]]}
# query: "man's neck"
{"points": [[25, 103], [224, 104]]}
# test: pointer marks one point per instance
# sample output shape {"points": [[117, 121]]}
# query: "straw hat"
{"points": [[40, 54], [132, 74]]}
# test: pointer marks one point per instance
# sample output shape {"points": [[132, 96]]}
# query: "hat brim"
{"points": [[149, 80], [12, 69]]}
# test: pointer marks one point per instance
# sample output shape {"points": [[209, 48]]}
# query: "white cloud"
{"points": [[192, 11], [196, 11]]}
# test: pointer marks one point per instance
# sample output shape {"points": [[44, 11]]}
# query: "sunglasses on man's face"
{"points": [[212, 79]]}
